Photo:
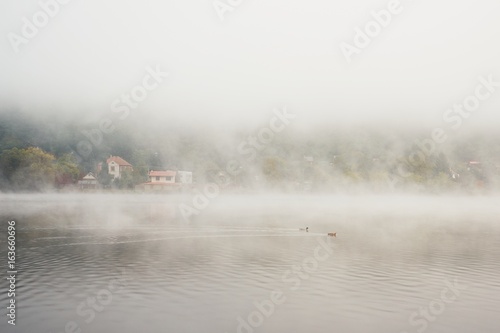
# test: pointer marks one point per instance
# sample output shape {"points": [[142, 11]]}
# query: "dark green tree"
{"points": [[28, 169]]}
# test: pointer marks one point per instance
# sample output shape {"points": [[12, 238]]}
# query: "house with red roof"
{"points": [[117, 166], [160, 181], [167, 177]]}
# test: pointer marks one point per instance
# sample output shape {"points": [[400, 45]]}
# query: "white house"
{"points": [[166, 180], [167, 177], [88, 182], [184, 177], [160, 181], [117, 165]]}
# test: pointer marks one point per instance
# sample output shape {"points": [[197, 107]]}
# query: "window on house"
{"points": [[157, 179], [112, 169], [168, 178]]}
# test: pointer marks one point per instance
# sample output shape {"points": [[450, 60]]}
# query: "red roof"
{"points": [[118, 160], [167, 173]]}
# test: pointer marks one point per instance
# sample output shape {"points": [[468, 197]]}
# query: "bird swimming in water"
{"points": [[333, 234], [306, 229]]}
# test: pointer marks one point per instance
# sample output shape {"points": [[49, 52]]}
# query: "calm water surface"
{"points": [[131, 263]]}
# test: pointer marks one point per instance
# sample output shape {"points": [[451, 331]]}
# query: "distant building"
{"points": [[117, 165], [160, 181], [475, 167], [184, 177], [88, 182], [166, 180], [162, 176]]}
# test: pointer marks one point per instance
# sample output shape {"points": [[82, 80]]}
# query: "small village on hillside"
{"points": [[41, 155], [158, 180]]}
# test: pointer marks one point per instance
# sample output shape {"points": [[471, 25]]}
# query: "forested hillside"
{"points": [[40, 153]]}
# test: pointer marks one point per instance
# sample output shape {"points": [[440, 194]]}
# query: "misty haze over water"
{"points": [[249, 166], [385, 271]]}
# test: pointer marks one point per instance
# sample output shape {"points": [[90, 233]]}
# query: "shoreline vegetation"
{"points": [[41, 155]]}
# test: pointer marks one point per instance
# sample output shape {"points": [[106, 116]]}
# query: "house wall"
{"points": [[161, 179], [88, 184], [125, 168], [185, 177], [119, 169], [116, 172]]}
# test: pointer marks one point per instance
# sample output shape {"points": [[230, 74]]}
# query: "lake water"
{"points": [[132, 263]]}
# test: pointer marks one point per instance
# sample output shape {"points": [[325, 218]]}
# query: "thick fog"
{"points": [[321, 95], [250, 165], [231, 64]]}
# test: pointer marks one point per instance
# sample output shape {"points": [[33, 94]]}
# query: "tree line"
{"points": [[38, 153]]}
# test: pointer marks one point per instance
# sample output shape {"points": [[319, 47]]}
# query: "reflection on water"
{"points": [[132, 264]]}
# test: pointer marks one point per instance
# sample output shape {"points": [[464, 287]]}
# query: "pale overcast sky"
{"points": [[264, 54]]}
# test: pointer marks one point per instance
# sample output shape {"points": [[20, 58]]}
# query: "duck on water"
{"points": [[332, 234]]}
